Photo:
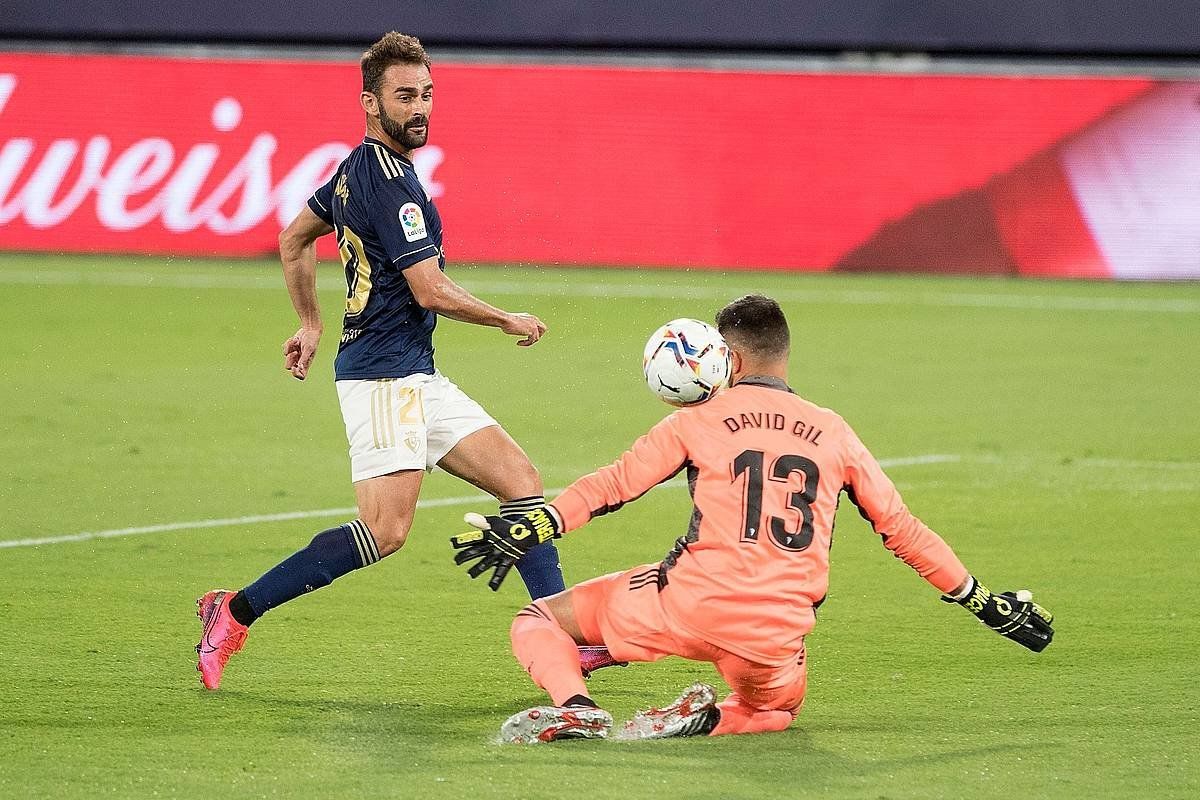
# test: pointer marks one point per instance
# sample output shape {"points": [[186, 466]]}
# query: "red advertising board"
{"points": [[588, 165]]}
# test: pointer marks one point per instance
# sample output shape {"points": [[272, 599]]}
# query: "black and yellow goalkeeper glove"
{"points": [[1013, 615], [500, 542]]}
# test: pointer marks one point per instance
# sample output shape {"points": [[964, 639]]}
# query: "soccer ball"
{"points": [[685, 362]]}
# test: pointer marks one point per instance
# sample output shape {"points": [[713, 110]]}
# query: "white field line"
{"points": [[1099, 463], [850, 297], [628, 289], [337, 512], [1120, 463]]}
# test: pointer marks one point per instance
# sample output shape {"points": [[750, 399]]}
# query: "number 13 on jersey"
{"points": [[751, 464]]}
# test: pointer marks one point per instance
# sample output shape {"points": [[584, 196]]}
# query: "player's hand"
{"points": [[299, 351], [524, 325], [500, 542], [1013, 615]]}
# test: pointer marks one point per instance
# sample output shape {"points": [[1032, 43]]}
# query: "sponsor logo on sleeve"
{"points": [[413, 222]]}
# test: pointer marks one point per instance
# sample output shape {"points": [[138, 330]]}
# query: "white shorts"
{"points": [[405, 423]]}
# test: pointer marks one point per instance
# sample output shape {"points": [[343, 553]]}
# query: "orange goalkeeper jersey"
{"points": [[766, 469]]}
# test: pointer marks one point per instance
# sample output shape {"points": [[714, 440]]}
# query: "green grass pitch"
{"points": [[143, 393]]}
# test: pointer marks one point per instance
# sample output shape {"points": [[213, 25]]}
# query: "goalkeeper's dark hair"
{"points": [[393, 48], [755, 324]]}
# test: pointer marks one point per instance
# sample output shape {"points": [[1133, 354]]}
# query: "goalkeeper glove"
{"points": [[501, 542], [1013, 615]]}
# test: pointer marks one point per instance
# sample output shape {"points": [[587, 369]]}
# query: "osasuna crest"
{"points": [[413, 222]]}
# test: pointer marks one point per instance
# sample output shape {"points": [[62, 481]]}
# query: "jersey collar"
{"points": [[373, 140], [768, 381]]}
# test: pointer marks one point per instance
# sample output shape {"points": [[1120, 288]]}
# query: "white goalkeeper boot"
{"points": [[551, 723], [694, 713]]}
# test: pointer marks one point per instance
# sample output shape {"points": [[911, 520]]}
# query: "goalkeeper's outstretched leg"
{"points": [[764, 698], [738, 716]]}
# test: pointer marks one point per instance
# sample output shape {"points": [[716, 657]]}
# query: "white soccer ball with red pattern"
{"points": [[685, 362]]}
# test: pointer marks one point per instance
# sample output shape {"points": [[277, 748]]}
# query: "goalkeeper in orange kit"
{"points": [[765, 469]]}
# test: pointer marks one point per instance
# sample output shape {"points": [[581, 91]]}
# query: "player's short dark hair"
{"points": [[393, 48], [755, 323]]}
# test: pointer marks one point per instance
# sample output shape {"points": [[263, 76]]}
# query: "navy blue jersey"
{"points": [[384, 222]]}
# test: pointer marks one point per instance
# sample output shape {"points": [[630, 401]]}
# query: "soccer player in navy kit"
{"points": [[402, 416]]}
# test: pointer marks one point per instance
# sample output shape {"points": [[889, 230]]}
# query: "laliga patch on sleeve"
{"points": [[413, 222]]}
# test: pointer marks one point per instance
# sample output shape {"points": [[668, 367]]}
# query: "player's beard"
{"points": [[401, 133]]}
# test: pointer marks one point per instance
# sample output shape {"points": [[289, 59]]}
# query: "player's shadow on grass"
{"points": [[384, 699], [414, 715]]}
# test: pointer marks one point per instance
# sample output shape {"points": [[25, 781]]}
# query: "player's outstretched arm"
{"points": [[499, 543], [433, 290], [1013, 615], [298, 252]]}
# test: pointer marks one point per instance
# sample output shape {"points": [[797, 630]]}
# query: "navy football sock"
{"points": [[541, 571], [539, 567], [331, 554]]}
